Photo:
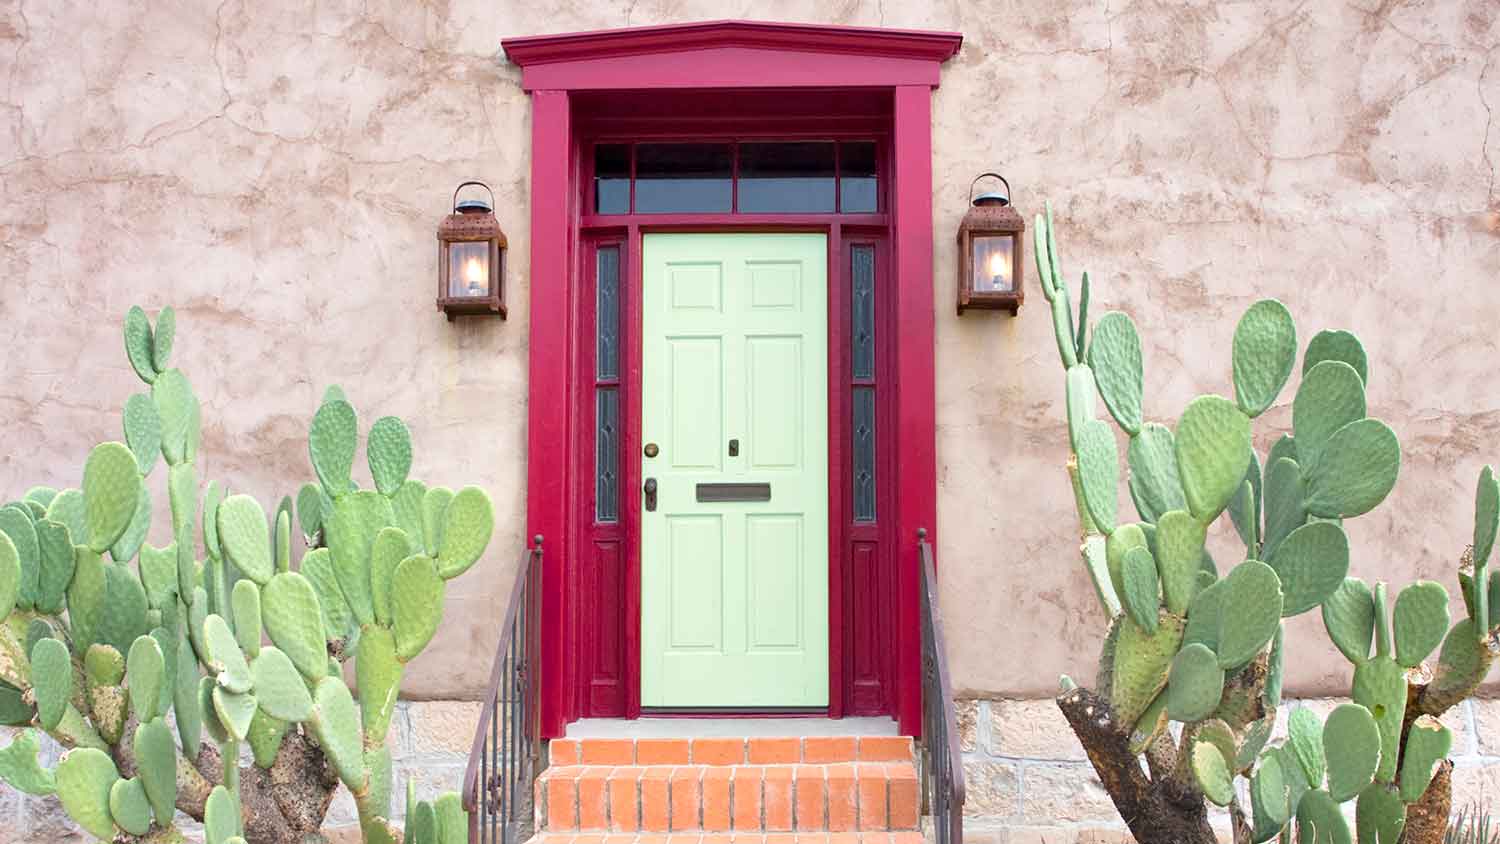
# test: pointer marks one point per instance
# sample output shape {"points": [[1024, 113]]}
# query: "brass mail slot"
{"points": [[734, 492]]}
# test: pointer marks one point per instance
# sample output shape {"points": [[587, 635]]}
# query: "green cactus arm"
{"points": [[1383, 645], [1486, 525]]}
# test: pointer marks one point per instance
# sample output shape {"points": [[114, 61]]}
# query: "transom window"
{"points": [[748, 177]]}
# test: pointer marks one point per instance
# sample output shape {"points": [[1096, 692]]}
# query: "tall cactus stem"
{"points": [[1482, 598], [1383, 645]]}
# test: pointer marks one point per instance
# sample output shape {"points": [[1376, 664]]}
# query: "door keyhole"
{"points": [[734, 448]]}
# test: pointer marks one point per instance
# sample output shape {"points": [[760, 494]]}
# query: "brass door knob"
{"points": [[651, 450]]}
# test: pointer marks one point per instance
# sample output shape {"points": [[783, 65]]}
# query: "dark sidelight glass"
{"points": [[859, 182], [606, 454], [612, 179], [864, 454], [683, 178], [862, 292], [793, 177], [607, 313]]}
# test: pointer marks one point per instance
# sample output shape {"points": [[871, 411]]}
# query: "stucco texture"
{"points": [[276, 171]]}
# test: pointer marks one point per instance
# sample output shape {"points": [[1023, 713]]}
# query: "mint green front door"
{"points": [[734, 552]]}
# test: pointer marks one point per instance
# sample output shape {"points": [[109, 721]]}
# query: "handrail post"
{"points": [[942, 760]]}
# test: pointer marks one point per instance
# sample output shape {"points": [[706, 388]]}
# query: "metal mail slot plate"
{"points": [[734, 492]]}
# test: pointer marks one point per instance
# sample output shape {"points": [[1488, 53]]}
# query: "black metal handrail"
{"points": [[503, 759], [942, 763]]}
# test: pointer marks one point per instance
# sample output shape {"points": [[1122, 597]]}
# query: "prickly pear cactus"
{"points": [[101, 654], [1204, 647]]}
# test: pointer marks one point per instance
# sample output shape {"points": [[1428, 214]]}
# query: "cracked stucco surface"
{"points": [[276, 171]]}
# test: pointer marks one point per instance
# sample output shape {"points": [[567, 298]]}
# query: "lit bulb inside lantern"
{"points": [[474, 274], [999, 268]]}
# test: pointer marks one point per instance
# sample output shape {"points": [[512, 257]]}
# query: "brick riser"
{"points": [[857, 790]]}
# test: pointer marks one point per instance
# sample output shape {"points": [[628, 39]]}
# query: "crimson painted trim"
{"points": [[547, 414], [916, 390], [731, 54]]}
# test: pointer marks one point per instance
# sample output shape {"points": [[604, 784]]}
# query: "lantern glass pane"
{"points": [[469, 269], [994, 264]]}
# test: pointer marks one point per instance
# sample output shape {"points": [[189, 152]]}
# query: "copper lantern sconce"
{"points": [[990, 254], [471, 258]]}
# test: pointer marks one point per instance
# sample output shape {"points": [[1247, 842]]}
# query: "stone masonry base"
{"points": [[1028, 779]]}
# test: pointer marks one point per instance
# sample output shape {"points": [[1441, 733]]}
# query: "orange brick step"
{"points": [[812, 750], [729, 838], [653, 787]]}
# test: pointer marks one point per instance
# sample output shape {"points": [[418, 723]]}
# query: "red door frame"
{"points": [[705, 57]]}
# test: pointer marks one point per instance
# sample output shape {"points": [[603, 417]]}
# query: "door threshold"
{"points": [[653, 725]]}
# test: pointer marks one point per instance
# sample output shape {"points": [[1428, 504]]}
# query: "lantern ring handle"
{"points": [[981, 176], [492, 193]]}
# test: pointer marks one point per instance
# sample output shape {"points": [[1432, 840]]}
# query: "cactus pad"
{"points": [[417, 592], [51, 681], [16, 526], [10, 575], [1265, 351], [336, 725], [1486, 515], [1252, 595], [1351, 740], [310, 510], [161, 338], [84, 778], [139, 344], [1419, 621], [1349, 617], [1179, 553], [1311, 565], [1379, 815], [434, 504], [1337, 345], [221, 817], [1194, 684], [244, 603], [350, 534], [331, 443], [235, 711], [406, 505], [469, 521], [55, 571], [1155, 486], [1213, 452], [244, 536], [1141, 663], [388, 449], [266, 735], [128, 806], [185, 707], [1356, 471], [1320, 820], [178, 410], [1142, 593], [14, 710], [125, 548], [1285, 508], [293, 619], [1115, 357], [317, 567], [1305, 740], [1079, 393], [1212, 774], [142, 431], [1330, 396], [452, 821], [1203, 616], [1098, 473], [1380, 686], [1116, 546], [145, 670], [156, 764], [392, 545], [378, 676], [1269, 792], [225, 657], [111, 490], [21, 770], [279, 688], [1427, 744], [67, 508]]}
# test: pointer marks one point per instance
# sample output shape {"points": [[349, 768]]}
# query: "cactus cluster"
{"points": [[239, 647], [1206, 649]]}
